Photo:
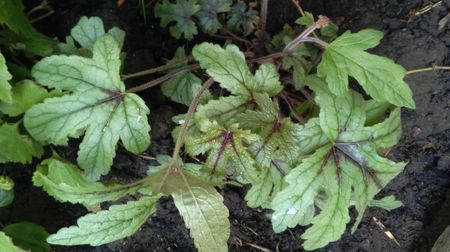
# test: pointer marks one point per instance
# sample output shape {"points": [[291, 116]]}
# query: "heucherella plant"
{"points": [[308, 161]]}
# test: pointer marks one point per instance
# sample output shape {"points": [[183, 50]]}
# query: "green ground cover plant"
{"points": [[285, 122]]}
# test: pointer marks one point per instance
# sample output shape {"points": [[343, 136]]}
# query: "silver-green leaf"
{"points": [[107, 226], [380, 77], [97, 105], [205, 215], [65, 182]]}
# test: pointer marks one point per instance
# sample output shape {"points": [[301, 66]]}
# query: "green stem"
{"points": [[286, 98], [49, 13], [181, 135], [193, 67], [304, 36], [42, 6], [167, 66], [163, 78], [428, 69], [188, 118]]}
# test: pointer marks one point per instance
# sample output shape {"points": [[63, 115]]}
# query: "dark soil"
{"points": [[423, 187]]}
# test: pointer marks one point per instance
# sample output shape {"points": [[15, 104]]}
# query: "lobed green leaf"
{"points": [[29, 236], [181, 13], [380, 77], [65, 182], [24, 95], [346, 169], [208, 14], [229, 68], [97, 105], [106, 226], [205, 215], [87, 31], [16, 147], [242, 19]]}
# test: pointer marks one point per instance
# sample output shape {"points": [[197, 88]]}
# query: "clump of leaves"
{"points": [[184, 16], [15, 146], [21, 35], [23, 236], [309, 168]]}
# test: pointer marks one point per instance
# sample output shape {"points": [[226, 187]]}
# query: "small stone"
{"points": [[415, 131]]}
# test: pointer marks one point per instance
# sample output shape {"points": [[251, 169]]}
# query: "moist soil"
{"points": [[423, 186]]}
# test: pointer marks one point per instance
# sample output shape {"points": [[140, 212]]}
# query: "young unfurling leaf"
{"points": [[181, 13], [97, 104], [348, 160], [117, 222], [225, 147], [280, 136], [380, 77]]}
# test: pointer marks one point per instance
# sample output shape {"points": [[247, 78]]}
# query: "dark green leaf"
{"points": [[208, 14], [16, 147], [28, 236], [7, 244], [241, 19], [181, 13], [25, 94]]}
